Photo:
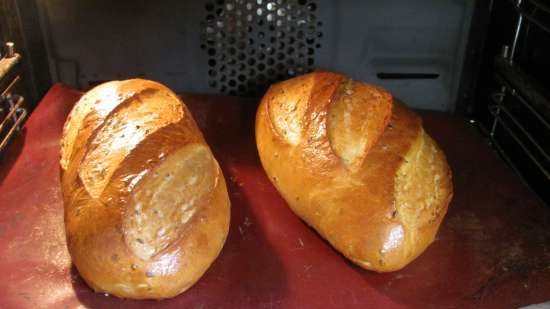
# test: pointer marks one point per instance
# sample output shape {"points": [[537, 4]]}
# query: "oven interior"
{"points": [[481, 65], [483, 60]]}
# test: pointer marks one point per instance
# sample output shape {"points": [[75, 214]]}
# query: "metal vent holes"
{"points": [[251, 44]]}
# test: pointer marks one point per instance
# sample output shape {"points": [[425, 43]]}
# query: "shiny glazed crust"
{"points": [[146, 205], [354, 165]]}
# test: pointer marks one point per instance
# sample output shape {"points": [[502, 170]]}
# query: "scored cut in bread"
{"points": [[355, 165]]}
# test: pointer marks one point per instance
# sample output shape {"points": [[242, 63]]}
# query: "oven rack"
{"points": [[12, 106], [14, 116], [505, 118], [530, 10], [519, 107]]}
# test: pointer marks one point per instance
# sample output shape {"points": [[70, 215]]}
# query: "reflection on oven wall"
{"points": [[238, 47]]}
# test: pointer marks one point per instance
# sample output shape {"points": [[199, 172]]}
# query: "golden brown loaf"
{"points": [[354, 165], [146, 206]]}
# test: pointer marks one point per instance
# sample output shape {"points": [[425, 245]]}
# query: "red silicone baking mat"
{"points": [[493, 249]]}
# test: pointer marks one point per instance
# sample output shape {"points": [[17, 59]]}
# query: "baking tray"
{"points": [[492, 251]]}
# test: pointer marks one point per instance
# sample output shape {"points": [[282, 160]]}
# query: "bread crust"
{"points": [[366, 181], [109, 240]]}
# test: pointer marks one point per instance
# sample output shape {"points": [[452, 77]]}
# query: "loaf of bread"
{"points": [[146, 205], [355, 165]]}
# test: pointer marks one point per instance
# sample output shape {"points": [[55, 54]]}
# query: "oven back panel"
{"points": [[416, 50]]}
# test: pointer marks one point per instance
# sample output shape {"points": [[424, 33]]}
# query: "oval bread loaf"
{"points": [[146, 205], [355, 165]]}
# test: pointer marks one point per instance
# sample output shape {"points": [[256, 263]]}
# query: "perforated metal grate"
{"points": [[251, 44]]}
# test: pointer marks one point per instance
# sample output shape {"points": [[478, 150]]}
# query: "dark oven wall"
{"points": [[19, 24], [415, 49]]}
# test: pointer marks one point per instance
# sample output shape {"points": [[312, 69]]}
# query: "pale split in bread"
{"points": [[146, 205], [355, 165]]}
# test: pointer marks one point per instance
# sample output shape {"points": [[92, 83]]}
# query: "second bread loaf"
{"points": [[355, 165]]}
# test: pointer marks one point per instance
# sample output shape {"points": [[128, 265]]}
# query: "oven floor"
{"points": [[492, 251]]}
